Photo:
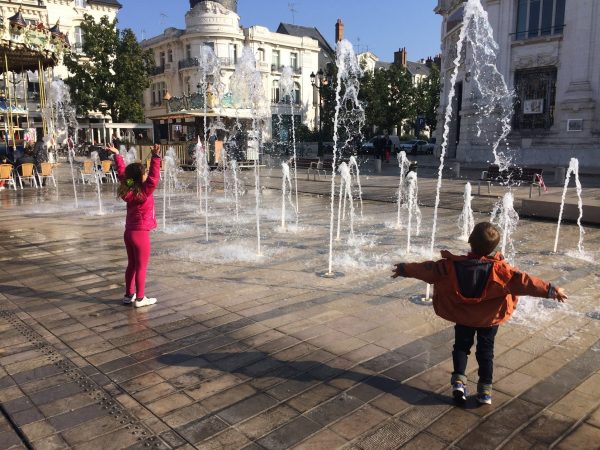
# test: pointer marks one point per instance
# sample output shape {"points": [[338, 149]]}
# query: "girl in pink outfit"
{"points": [[136, 189]]}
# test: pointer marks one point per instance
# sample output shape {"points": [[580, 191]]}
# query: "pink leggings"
{"points": [[137, 244]]}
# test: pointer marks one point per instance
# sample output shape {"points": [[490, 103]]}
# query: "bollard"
{"points": [[559, 174], [455, 168], [377, 165]]}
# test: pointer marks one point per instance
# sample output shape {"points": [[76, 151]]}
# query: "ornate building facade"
{"points": [[170, 101], [549, 55]]}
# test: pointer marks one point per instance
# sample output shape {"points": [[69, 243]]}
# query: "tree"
{"points": [[112, 73], [389, 97], [427, 97]]}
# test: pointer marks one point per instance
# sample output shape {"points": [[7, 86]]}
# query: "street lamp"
{"points": [[319, 81]]}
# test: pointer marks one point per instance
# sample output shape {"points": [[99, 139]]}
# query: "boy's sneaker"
{"points": [[459, 392], [127, 300], [484, 398], [140, 302]]}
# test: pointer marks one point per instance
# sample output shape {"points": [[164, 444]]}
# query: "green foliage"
{"points": [[393, 101], [389, 95], [427, 97], [111, 74]]}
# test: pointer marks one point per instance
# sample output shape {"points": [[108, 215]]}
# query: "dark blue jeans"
{"points": [[484, 352]]}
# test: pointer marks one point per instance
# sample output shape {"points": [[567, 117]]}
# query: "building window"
{"points": [[275, 59], [170, 55], [158, 93], [232, 54], [261, 55], [210, 44], [294, 60], [275, 92], [188, 51], [539, 18], [80, 3], [78, 35], [297, 92], [162, 60], [536, 96]]}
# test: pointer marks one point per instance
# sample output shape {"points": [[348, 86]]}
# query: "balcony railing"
{"points": [[556, 30], [296, 70], [157, 70], [187, 63]]}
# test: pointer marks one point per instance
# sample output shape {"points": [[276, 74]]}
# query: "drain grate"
{"points": [[103, 399]]}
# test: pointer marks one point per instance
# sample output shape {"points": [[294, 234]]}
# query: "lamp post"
{"points": [[319, 81]]}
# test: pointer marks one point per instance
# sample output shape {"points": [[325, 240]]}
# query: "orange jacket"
{"points": [[498, 299]]}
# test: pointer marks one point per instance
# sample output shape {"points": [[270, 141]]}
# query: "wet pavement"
{"points": [[259, 352]]}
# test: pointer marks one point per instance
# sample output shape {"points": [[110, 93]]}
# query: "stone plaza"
{"points": [[252, 352]]}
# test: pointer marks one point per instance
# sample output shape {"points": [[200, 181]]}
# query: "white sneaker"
{"points": [[144, 302], [128, 300]]}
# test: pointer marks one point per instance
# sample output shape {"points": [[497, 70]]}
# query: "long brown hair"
{"points": [[132, 181]]}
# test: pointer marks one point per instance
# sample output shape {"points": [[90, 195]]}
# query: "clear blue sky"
{"points": [[382, 26]]}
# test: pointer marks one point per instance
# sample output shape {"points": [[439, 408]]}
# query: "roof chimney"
{"points": [[400, 57], [339, 31]]}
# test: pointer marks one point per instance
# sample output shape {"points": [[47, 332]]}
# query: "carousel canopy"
{"points": [[26, 46]]}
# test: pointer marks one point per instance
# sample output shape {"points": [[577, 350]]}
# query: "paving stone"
{"points": [[267, 421], [247, 408], [289, 434], [584, 437], [547, 427], [202, 429], [392, 435], [359, 422], [322, 439]]}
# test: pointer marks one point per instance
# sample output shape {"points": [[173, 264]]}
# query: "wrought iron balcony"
{"points": [[187, 63], [157, 70]]}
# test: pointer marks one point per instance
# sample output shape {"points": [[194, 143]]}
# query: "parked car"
{"points": [[414, 146], [430, 147], [373, 145]]}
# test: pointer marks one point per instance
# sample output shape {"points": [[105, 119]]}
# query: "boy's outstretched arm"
{"points": [[525, 284], [428, 271]]}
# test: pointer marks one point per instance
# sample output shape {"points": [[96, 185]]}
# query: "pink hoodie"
{"points": [[140, 210]]}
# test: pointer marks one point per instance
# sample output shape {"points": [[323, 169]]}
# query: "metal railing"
{"points": [[158, 70], [187, 63], [556, 30]]}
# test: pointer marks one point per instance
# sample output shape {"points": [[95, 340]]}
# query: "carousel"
{"points": [[28, 54]]}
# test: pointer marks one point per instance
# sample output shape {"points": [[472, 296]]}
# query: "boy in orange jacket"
{"points": [[477, 292]]}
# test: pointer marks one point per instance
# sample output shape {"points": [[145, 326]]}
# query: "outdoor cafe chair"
{"points": [[27, 172], [107, 171], [47, 171], [88, 171], [7, 174]]}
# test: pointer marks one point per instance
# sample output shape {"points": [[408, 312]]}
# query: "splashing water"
{"points": [[236, 187], [353, 164], [286, 87], [169, 182], [60, 115], [573, 170], [492, 100], [404, 164], [414, 212], [131, 156], [506, 218], [247, 91], [286, 192], [71, 157], [466, 221], [348, 111], [202, 182], [345, 196], [96, 159]]}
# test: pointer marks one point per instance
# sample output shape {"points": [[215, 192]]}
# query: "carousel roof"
{"points": [[26, 46]]}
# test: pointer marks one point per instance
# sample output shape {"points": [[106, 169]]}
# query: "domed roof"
{"points": [[231, 5]]}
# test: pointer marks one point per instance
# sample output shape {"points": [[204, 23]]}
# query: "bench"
{"points": [[513, 176], [309, 164]]}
